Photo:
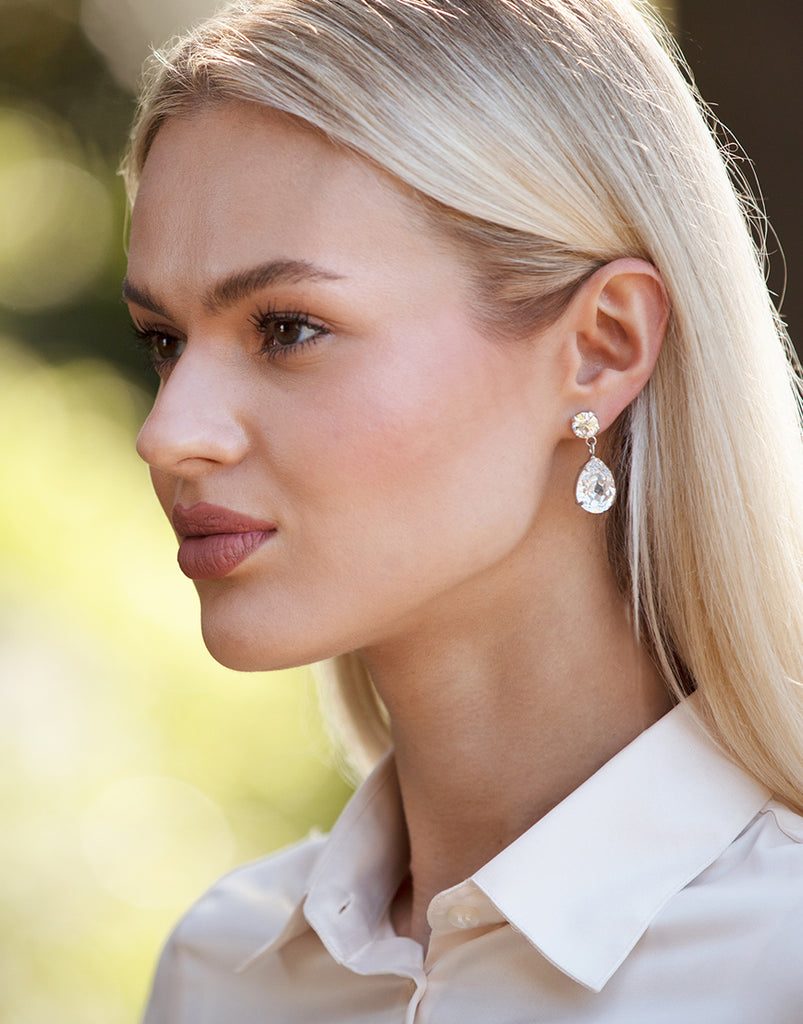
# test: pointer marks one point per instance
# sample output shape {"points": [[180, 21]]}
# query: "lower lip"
{"points": [[215, 556]]}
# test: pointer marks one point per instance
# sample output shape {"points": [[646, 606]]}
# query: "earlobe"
{"points": [[618, 322]]}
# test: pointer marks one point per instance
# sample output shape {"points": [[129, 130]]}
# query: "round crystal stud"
{"points": [[585, 425]]}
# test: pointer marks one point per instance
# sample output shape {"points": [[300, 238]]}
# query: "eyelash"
{"points": [[149, 335], [270, 316]]}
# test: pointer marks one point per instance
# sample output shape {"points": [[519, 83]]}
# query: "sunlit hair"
{"points": [[548, 137]]}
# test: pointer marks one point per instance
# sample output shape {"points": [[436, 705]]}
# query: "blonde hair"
{"points": [[550, 137]]}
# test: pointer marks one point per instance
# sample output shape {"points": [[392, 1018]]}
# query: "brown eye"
{"points": [[284, 332], [161, 347], [165, 346], [289, 332]]}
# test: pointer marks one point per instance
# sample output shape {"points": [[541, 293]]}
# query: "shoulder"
{"points": [[770, 849], [245, 911], [251, 904], [772, 854], [764, 862], [787, 822]]}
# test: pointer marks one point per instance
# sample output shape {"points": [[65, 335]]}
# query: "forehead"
{"points": [[246, 180]]}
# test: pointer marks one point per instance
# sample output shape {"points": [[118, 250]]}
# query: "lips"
{"points": [[215, 540]]}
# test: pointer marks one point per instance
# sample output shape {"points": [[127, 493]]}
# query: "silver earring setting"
{"points": [[596, 490]]}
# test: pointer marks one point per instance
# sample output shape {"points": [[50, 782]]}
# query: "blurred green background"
{"points": [[133, 769]]}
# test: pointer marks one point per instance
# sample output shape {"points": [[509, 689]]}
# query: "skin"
{"points": [[420, 473]]}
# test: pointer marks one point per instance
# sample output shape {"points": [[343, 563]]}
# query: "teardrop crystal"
{"points": [[595, 487]]}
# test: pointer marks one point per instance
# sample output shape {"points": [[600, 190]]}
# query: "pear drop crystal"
{"points": [[595, 487]]}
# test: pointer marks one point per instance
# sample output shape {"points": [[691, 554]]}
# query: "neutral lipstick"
{"points": [[215, 540]]}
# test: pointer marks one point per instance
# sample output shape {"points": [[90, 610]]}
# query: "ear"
{"points": [[616, 324]]}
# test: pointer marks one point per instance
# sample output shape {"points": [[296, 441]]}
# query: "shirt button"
{"points": [[463, 917]]}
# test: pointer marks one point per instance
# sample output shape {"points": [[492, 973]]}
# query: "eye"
{"points": [[162, 347], [289, 332], [283, 333]]}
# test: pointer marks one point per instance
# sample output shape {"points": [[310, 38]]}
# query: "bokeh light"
{"points": [[133, 769], [124, 30], [139, 829], [55, 217]]}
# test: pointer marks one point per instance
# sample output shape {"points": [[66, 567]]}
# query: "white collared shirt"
{"points": [[667, 889]]}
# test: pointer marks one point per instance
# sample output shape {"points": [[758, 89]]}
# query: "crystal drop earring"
{"points": [[596, 490]]}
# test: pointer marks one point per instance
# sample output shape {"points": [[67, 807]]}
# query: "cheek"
{"points": [[446, 440]]}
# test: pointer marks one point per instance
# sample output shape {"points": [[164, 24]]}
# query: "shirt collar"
{"points": [[361, 867], [584, 883], [356, 875]]}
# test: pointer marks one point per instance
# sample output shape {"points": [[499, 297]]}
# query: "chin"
{"points": [[245, 653]]}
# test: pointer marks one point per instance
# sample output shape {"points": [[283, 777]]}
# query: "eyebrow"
{"points": [[236, 286]]}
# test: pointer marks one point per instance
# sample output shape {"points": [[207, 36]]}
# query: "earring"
{"points": [[595, 491]]}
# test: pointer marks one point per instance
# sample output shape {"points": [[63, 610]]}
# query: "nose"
{"points": [[196, 421]]}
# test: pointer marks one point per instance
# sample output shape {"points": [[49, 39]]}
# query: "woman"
{"points": [[470, 383]]}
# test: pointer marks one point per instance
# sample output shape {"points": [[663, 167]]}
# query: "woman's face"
{"points": [[382, 459]]}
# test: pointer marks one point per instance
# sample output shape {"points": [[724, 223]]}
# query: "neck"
{"points": [[497, 718]]}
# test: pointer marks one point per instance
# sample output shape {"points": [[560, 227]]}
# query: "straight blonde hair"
{"points": [[549, 137]]}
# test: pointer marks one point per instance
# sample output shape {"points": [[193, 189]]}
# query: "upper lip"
{"points": [[204, 520]]}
